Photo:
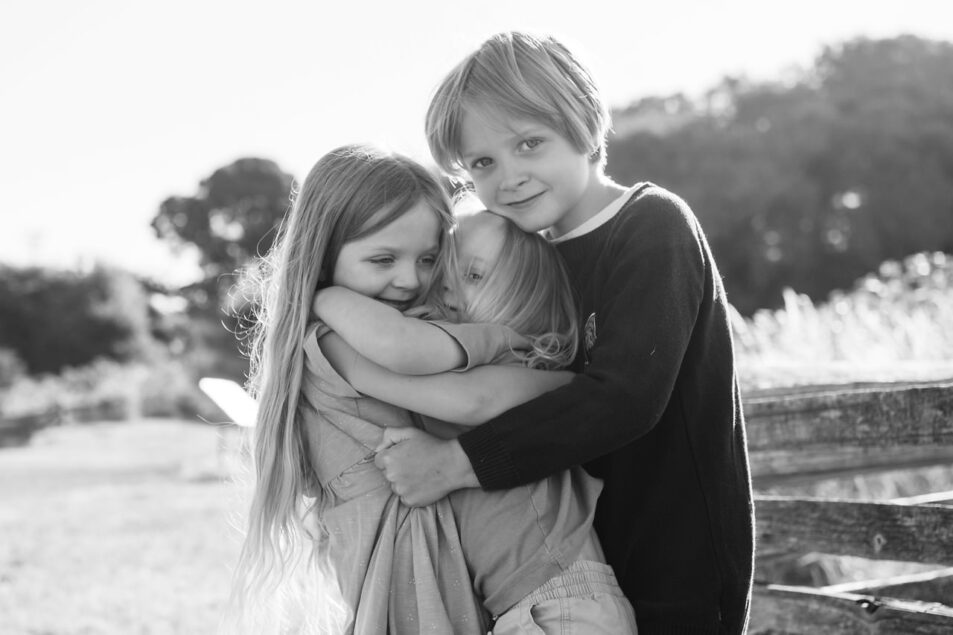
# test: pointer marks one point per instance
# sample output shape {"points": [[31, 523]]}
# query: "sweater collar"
{"points": [[601, 217]]}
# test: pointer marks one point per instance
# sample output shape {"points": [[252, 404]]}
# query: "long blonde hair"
{"points": [[351, 192], [528, 290]]}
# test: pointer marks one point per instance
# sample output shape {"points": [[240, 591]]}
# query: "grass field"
{"points": [[116, 528]]}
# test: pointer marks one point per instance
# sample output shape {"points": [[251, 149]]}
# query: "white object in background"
{"points": [[232, 399]]}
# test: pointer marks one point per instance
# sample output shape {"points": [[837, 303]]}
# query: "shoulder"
{"points": [[654, 219], [653, 204]]}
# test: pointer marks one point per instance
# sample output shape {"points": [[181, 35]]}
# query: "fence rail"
{"points": [[846, 430]]}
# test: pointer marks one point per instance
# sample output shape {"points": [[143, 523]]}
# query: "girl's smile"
{"points": [[394, 264]]}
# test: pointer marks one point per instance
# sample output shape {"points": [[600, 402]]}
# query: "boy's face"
{"points": [[527, 172]]}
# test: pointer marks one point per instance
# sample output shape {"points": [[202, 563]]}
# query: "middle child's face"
{"points": [[478, 243], [527, 172]]}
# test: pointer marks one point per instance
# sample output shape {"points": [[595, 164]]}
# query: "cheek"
{"points": [[484, 190], [339, 272]]}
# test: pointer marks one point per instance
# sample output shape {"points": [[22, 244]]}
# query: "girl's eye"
{"points": [[474, 276], [479, 164], [529, 144], [428, 261], [383, 260]]}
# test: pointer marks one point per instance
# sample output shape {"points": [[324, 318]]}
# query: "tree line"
{"points": [[807, 183]]}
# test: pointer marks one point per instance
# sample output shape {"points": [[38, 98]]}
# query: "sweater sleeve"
{"points": [[646, 300]]}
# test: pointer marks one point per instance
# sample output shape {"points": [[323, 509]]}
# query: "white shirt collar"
{"points": [[601, 218]]}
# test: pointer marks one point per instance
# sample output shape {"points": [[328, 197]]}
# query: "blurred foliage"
{"points": [[52, 319], [230, 219], [108, 390], [11, 367], [811, 183]]}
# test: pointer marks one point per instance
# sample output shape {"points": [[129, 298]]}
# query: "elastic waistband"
{"points": [[582, 578]]}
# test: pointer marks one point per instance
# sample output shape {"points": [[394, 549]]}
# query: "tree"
{"points": [[53, 319], [231, 219], [812, 183]]}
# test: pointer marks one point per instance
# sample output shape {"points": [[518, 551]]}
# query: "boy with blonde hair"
{"points": [[655, 409]]}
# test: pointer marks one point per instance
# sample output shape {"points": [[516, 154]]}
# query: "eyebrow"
{"points": [[521, 133], [383, 246]]}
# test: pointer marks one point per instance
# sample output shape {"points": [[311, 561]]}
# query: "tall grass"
{"points": [[896, 323]]}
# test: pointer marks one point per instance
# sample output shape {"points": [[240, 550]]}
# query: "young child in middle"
{"points": [[532, 553]]}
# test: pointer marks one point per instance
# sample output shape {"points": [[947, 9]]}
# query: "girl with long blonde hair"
{"points": [[317, 513]]}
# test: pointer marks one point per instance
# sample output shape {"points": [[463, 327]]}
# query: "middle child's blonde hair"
{"points": [[528, 290]]}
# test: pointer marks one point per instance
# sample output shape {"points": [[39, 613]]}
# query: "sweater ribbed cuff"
{"points": [[493, 465], [677, 629]]}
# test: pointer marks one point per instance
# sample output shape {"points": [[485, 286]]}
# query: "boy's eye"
{"points": [[428, 261]]}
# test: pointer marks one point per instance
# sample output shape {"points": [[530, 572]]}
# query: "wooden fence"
{"points": [[839, 431]]}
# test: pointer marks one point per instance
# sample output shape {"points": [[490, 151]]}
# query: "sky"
{"points": [[107, 107]]}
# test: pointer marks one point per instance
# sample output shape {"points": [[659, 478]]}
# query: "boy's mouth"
{"points": [[526, 202]]}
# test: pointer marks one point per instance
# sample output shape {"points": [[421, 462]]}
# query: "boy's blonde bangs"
{"points": [[523, 77]]}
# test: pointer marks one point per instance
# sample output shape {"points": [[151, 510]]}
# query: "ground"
{"points": [[118, 528]]}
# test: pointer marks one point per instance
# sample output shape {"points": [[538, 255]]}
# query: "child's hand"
{"points": [[393, 436], [421, 468]]}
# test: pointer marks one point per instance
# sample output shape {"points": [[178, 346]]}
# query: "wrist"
{"points": [[461, 473]]}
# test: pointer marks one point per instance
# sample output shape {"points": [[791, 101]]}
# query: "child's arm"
{"points": [[405, 345], [661, 292], [468, 398]]}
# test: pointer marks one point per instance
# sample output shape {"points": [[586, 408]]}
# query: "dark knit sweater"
{"points": [[655, 412]]}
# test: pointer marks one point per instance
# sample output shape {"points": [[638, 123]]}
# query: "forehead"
{"points": [[481, 236], [419, 226], [486, 127]]}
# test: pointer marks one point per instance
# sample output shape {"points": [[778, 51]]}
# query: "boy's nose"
{"points": [[513, 176]]}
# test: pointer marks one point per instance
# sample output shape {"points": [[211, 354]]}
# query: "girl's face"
{"points": [[479, 240], [395, 263]]}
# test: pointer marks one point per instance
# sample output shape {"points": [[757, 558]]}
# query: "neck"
{"points": [[601, 191]]}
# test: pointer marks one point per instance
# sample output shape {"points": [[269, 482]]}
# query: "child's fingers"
{"points": [[393, 436]]}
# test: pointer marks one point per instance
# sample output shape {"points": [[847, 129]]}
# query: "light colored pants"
{"points": [[585, 600]]}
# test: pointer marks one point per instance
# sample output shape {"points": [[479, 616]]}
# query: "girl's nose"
{"points": [[408, 277]]}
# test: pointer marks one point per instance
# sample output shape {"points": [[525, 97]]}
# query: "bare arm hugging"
{"points": [[468, 398]]}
